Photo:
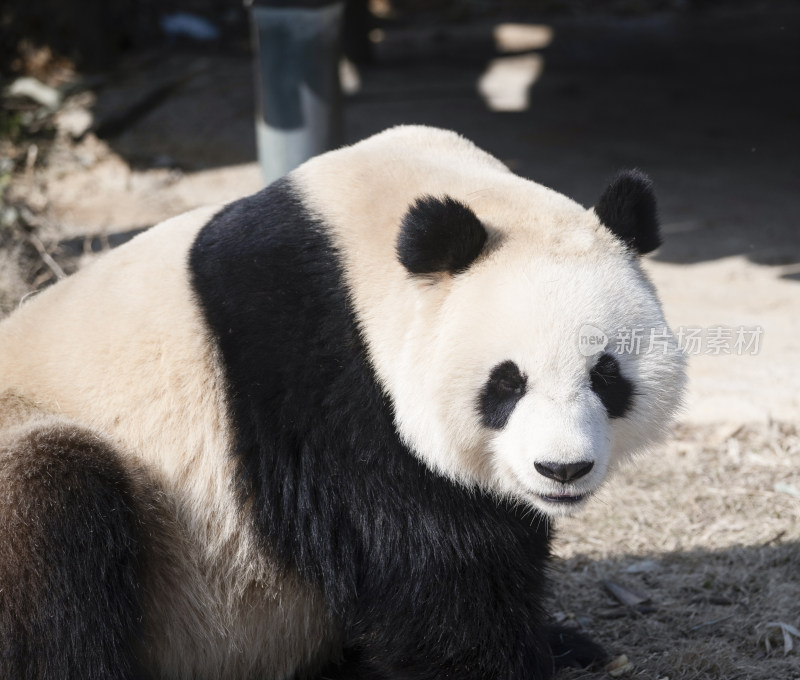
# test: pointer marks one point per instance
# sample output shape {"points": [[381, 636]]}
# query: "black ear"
{"points": [[439, 235], [628, 209]]}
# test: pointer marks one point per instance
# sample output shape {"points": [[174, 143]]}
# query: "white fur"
{"points": [[120, 349]]}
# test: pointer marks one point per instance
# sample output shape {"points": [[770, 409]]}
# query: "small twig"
{"points": [[30, 159], [45, 277], [777, 537], [710, 623], [46, 257]]}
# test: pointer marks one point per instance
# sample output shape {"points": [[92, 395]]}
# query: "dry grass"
{"points": [[27, 264], [700, 529], [12, 278]]}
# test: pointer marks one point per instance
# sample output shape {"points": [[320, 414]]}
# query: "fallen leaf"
{"points": [[787, 630], [624, 595], [619, 666], [643, 567], [788, 489]]}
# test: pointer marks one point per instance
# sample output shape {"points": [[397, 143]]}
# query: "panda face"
{"points": [[503, 396], [470, 287], [535, 418]]}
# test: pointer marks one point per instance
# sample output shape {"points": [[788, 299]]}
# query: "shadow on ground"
{"points": [[186, 109], [715, 608]]}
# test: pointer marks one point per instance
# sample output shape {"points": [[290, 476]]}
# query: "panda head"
{"points": [[493, 379]]}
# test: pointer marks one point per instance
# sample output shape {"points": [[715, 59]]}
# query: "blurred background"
{"points": [[116, 115]]}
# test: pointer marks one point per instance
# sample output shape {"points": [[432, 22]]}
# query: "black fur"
{"points": [[613, 388], [70, 560], [439, 235], [572, 649], [504, 388], [628, 209], [428, 579], [564, 472]]}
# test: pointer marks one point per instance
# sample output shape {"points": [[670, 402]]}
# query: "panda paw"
{"points": [[572, 649]]}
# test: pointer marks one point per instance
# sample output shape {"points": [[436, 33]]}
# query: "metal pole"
{"points": [[298, 96]]}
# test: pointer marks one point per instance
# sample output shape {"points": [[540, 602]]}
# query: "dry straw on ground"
{"points": [[707, 530]]}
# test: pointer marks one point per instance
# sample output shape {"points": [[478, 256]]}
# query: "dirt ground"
{"points": [[703, 536]]}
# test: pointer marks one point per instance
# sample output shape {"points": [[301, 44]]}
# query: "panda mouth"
{"points": [[564, 499]]}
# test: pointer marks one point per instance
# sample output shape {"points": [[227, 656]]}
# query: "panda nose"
{"points": [[564, 472]]}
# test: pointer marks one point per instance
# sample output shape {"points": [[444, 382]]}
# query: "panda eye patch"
{"points": [[504, 388], [608, 383]]}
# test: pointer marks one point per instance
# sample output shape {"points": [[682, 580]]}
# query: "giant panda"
{"points": [[322, 431]]}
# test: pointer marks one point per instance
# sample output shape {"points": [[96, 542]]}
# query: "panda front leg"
{"points": [[70, 553], [540, 659], [488, 626], [573, 649]]}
